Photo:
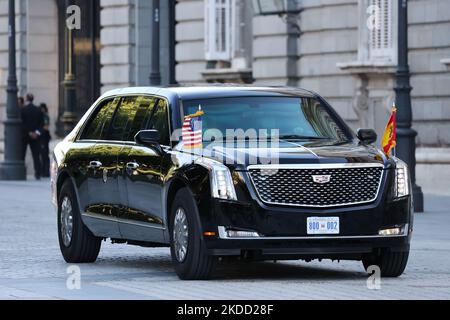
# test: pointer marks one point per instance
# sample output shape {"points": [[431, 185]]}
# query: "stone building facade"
{"points": [[343, 49], [37, 52], [339, 49]]}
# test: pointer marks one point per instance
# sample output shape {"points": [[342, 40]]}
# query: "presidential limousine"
{"points": [[165, 167]]}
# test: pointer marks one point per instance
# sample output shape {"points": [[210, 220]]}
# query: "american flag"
{"points": [[192, 131]]}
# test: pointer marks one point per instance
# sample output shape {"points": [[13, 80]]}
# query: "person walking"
{"points": [[32, 125], [45, 141]]}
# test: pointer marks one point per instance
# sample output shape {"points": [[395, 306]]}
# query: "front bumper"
{"points": [[332, 247], [282, 231]]}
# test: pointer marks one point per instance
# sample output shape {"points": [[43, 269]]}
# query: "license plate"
{"points": [[322, 225]]}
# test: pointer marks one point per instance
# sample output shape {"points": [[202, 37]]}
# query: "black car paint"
{"points": [[133, 205]]}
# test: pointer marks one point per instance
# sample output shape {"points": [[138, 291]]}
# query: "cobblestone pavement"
{"points": [[31, 266]]}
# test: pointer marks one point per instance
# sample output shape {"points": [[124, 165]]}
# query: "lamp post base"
{"points": [[417, 198], [69, 118], [155, 79], [13, 171]]}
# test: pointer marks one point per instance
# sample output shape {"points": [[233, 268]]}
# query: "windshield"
{"points": [[301, 118]]}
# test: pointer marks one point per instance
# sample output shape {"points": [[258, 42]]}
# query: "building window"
{"points": [[381, 45], [219, 29]]}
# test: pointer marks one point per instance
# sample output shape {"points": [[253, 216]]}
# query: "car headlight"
{"points": [[402, 183], [53, 177], [222, 186]]}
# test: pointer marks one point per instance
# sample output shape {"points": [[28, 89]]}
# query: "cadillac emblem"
{"points": [[321, 179]]}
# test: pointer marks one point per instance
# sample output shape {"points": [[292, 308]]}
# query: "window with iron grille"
{"points": [[218, 29], [381, 45]]}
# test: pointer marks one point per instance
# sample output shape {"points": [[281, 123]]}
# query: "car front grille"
{"points": [[348, 184]]}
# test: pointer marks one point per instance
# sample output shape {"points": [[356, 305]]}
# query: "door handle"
{"points": [[95, 164], [132, 166]]}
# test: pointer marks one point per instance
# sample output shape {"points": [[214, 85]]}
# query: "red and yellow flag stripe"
{"points": [[389, 140]]}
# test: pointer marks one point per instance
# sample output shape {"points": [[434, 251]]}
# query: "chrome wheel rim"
{"points": [[180, 235], [66, 221]]}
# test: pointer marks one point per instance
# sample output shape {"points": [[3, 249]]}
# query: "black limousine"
{"points": [[258, 173]]}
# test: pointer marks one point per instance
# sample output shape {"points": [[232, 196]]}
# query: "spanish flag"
{"points": [[390, 134]]}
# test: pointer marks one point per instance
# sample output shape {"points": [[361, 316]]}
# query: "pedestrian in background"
{"points": [[45, 141], [32, 125], [20, 102]]}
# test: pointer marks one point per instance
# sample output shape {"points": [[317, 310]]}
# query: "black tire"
{"points": [[84, 247], [197, 264], [391, 264]]}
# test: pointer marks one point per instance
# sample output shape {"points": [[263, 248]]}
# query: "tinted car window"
{"points": [[160, 122], [100, 121], [144, 107], [123, 118]]}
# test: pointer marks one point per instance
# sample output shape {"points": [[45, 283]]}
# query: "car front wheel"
{"points": [[189, 253], [77, 243], [391, 264]]}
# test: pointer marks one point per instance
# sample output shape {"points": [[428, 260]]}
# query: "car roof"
{"points": [[192, 92]]}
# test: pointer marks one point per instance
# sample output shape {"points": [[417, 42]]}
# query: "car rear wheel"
{"points": [[189, 253], [391, 264], [77, 243]]}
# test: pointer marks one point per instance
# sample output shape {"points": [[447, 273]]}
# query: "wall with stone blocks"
{"points": [[329, 35], [126, 43], [189, 35], [274, 51], [117, 38], [429, 43], [42, 64], [20, 56], [36, 54]]}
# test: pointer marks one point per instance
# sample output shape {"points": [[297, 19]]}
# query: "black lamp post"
{"points": [[406, 144], [13, 166], [69, 117], [155, 74]]}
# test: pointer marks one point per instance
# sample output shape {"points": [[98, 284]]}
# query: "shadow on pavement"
{"points": [[282, 270], [238, 270]]}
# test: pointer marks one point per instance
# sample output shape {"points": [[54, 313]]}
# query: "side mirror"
{"points": [[148, 138], [367, 136]]}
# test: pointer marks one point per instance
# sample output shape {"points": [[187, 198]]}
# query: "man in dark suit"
{"points": [[32, 125]]}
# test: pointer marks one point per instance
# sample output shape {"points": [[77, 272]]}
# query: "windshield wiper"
{"points": [[299, 137]]}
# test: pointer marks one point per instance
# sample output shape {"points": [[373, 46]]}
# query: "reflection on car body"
{"points": [[314, 190]]}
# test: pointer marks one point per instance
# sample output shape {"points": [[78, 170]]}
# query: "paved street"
{"points": [[31, 266]]}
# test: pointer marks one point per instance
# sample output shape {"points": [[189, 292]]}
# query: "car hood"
{"points": [[242, 154]]}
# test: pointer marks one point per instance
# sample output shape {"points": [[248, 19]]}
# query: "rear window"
{"points": [[99, 122]]}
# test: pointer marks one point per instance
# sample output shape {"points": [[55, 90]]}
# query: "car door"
{"points": [[143, 218], [102, 206], [138, 115]]}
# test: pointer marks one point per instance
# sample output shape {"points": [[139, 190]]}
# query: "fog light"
{"points": [[392, 231], [230, 233], [241, 234]]}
